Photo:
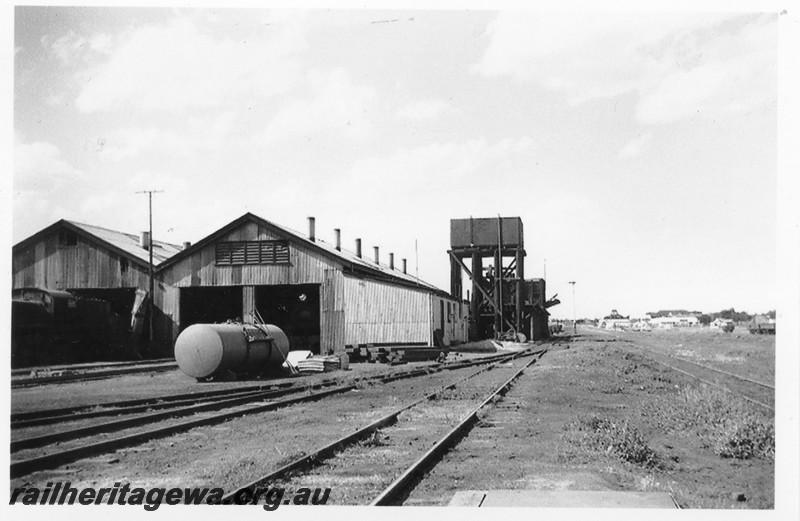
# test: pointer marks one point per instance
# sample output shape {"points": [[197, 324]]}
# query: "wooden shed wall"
{"points": [[46, 264], [376, 312], [199, 269], [454, 322], [332, 315], [306, 266]]}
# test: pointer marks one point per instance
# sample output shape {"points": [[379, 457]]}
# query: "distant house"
{"points": [[615, 321], [719, 322]]}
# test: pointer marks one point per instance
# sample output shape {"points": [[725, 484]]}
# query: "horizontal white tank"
{"points": [[206, 350]]}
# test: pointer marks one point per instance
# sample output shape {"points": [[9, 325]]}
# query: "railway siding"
{"points": [[597, 415], [226, 453]]}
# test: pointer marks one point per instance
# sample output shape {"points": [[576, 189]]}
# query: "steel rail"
{"points": [[739, 377], [91, 365], [714, 384], [23, 467], [120, 411], [94, 375], [46, 416], [400, 485], [125, 423], [318, 456]]}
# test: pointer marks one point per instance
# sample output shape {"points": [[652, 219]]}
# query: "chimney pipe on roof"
{"points": [[358, 248], [404, 266], [338, 233], [391, 261], [186, 245], [145, 240], [377, 259], [311, 234]]}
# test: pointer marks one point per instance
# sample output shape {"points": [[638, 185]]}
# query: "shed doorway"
{"points": [[295, 308], [210, 305]]}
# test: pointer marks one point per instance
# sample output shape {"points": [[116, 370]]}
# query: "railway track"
{"points": [[402, 445], [64, 374], [27, 443], [25, 371], [757, 393]]}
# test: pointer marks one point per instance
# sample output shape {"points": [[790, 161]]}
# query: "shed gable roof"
{"points": [[124, 244], [353, 263]]}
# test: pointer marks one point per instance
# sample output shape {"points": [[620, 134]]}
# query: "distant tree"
{"points": [[771, 314], [704, 319], [727, 314]]}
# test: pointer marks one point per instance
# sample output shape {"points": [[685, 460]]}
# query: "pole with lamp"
{"points": [[150, 264], [574, 323]]}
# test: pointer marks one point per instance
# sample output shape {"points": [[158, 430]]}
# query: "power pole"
{"points": [[574, 323], [150, 265]]}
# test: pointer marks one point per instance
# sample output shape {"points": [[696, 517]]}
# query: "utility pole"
{"points": [[574, 323], [150, 265]]}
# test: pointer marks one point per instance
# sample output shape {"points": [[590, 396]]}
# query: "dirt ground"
{"points": [[594, 416]]}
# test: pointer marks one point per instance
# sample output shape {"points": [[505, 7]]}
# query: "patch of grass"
{"points": [[746, 438], [732, 427], [612, 437], [376, 439]]}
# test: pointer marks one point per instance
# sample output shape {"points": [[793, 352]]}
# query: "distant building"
{"points": [[670, 322], [615, 321], [719, 322]]}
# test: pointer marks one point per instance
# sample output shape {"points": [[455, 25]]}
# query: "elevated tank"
{"points": [[206, 350]]}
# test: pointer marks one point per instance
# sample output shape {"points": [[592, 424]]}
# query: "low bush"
{"points": [[612, 437], [732, 427]]}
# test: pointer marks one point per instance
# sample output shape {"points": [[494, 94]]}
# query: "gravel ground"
{"points": [[526, 441], [241, 449], [359, 473]]}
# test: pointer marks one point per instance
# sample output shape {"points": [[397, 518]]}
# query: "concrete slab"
{"points": [[562, 499]]}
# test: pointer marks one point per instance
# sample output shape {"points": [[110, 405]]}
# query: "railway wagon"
{"points": [[56, 327]]}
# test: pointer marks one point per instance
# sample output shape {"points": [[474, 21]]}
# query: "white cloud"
{"points": [[636, 146], [177, 65], [679, 65], [337, 105], [206, 133], [441, 168], [101, 43], [68, 47], [423, 110], [42, 181], [39, 166]]}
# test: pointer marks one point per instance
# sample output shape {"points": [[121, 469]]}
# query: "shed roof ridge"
{"points": [[130, 235]]}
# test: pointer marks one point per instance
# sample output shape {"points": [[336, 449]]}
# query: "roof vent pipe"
{"points": [[404, 266], [311, 234], [186, 245], [391, 261], [358, 248], [377, 259], [338, 233], [144, 240]]}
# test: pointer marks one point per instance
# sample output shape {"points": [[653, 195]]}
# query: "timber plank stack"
{"points": [[394, 354]]}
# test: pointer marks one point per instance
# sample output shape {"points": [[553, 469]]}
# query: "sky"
{"points": [[639, 149]]}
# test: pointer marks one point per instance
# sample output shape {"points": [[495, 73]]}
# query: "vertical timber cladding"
{"points": [[451, 317], [306, 266], [382, 313], [80, 264]]}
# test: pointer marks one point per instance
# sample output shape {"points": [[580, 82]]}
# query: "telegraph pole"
{"points": [[150, 265], [574, 323]]}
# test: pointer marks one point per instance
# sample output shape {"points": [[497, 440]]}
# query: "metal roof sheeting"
{"points": [[129, 243]]}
